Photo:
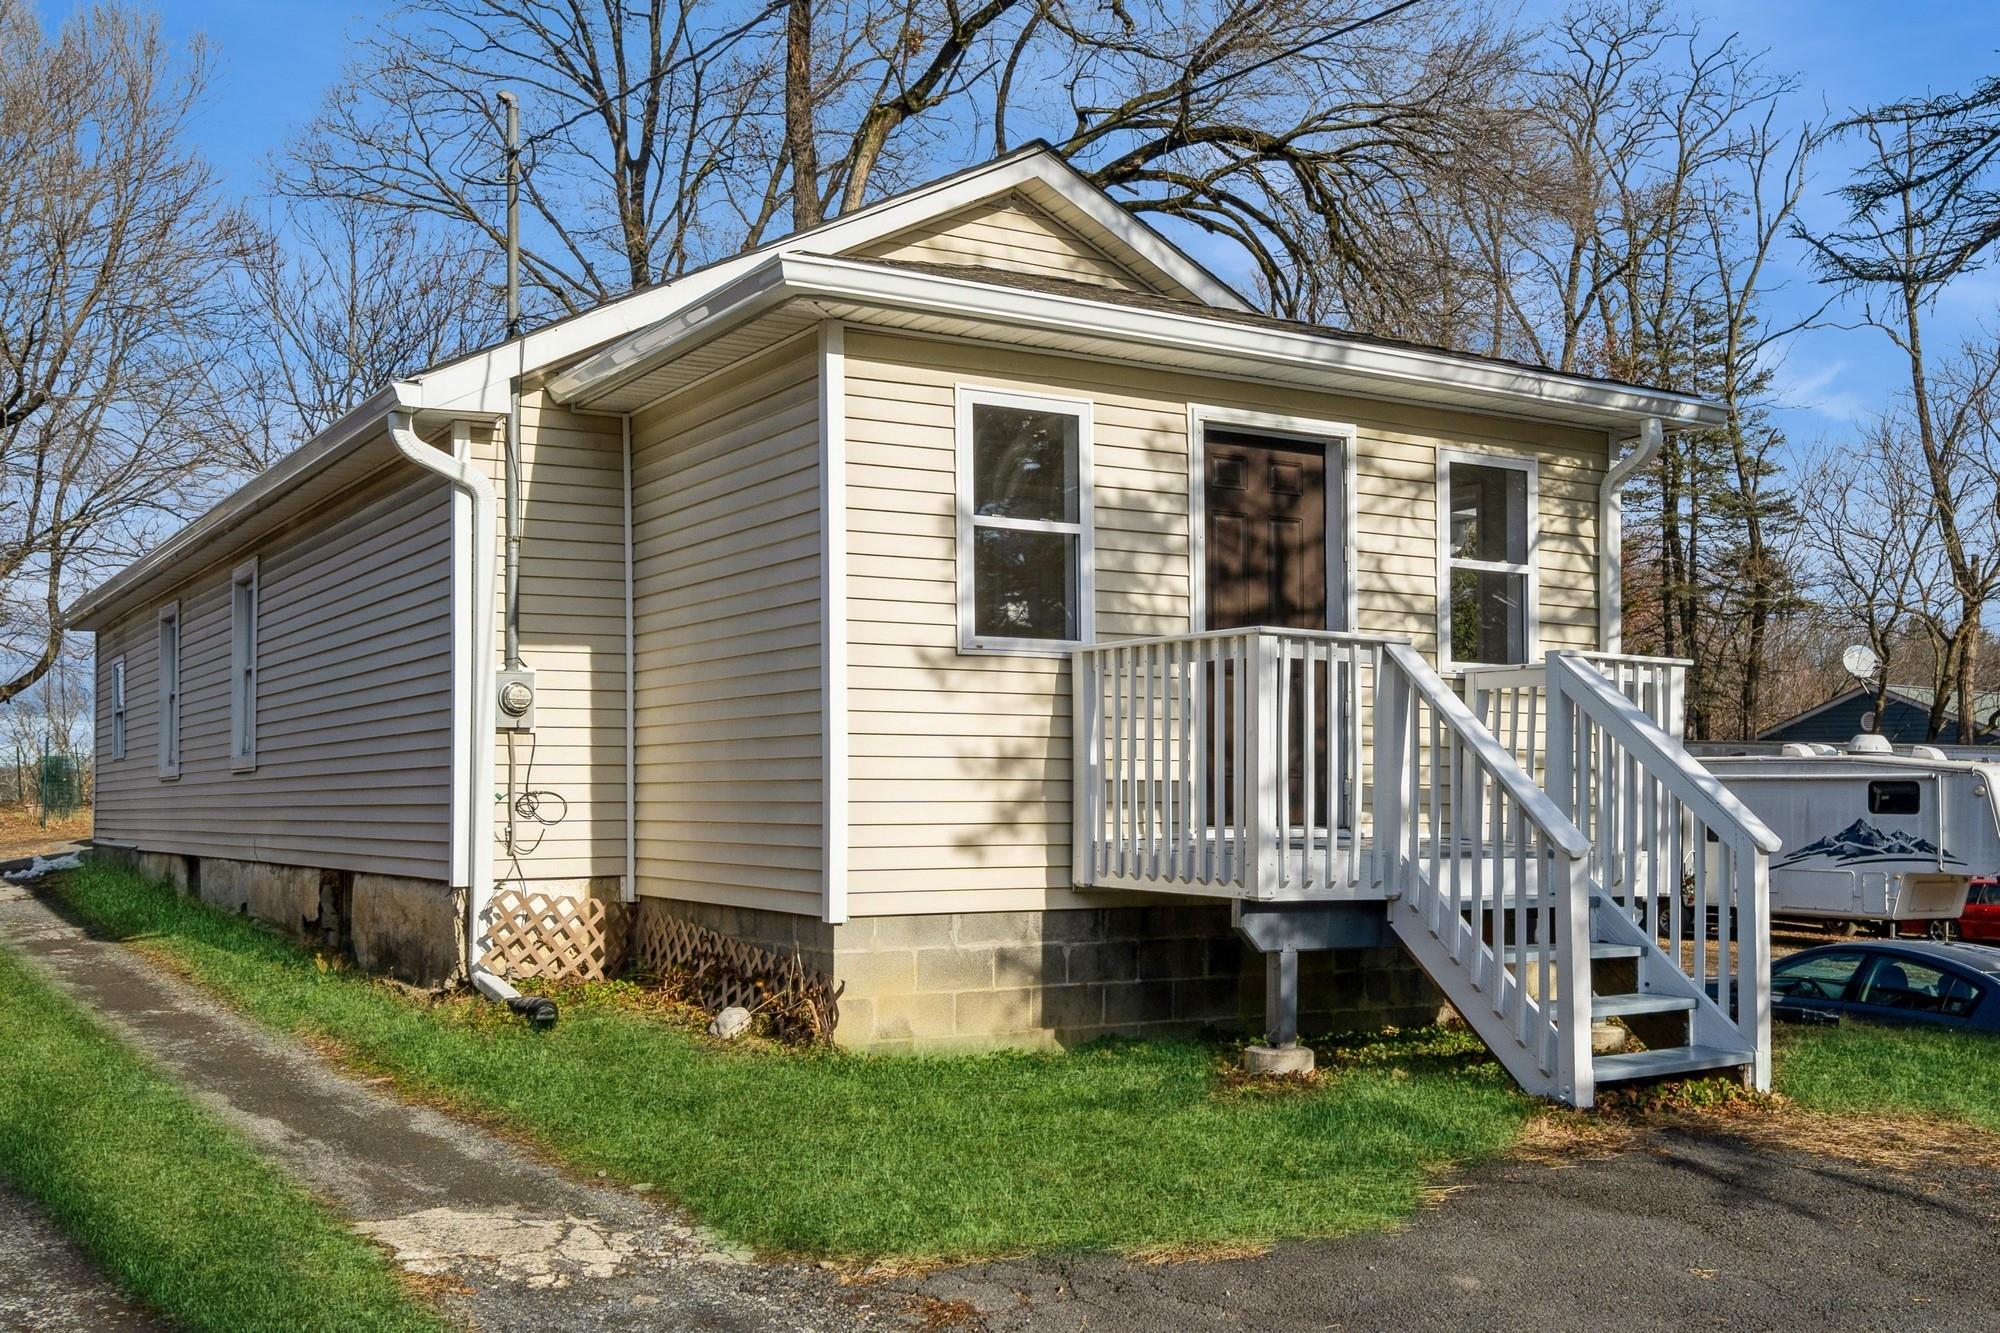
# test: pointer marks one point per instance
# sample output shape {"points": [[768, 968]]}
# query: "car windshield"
{"points": [[1814, 977]]}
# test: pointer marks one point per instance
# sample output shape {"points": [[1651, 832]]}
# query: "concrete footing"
{"points": [[1270, 1061]]}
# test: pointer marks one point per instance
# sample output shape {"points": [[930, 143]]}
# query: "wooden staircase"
{"points": [[1543, 901]]}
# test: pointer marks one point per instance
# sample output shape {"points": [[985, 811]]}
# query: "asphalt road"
{"points": [[1683, 1232]]}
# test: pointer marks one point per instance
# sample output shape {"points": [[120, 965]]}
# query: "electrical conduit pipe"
{"points": [[472, 818]]}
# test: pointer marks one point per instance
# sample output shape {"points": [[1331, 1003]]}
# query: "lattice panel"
{"points": [[725, 972], [559, 938]]}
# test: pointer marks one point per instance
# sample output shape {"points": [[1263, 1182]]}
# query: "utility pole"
{"points": [[513, 105]]}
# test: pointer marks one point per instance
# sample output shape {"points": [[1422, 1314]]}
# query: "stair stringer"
{"points": [[1533, 1061]]}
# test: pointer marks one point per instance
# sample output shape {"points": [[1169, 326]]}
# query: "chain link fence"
{"points": [[53, 784]]}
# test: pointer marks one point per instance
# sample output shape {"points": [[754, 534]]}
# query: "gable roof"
{"points": [[477, 382], [1985, 707]]}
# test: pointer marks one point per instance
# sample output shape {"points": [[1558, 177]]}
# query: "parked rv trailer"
{"points": [[1870, 835]]}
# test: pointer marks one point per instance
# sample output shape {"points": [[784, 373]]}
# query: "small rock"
{"points": [[731, 1023], [641, 1187]]}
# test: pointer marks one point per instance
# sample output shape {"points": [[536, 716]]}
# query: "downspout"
{"points": [[631, 889], [1611, 535], [472, 818]]}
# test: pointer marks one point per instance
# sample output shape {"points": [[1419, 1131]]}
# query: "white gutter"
{"points": [[244, 503], [1611, 535], [472, 816], [1411, 371]]}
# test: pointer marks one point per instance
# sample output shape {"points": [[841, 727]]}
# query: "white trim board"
{"points": [[462, 656], [833, 619], [1339, 438]]}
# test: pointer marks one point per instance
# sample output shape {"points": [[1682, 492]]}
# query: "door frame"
{"points": [[1337, 437]]}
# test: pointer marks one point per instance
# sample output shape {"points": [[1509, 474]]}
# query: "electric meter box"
{"points": [[514, 701]]}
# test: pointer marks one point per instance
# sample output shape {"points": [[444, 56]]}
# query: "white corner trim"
{"points": [[833, 617], [629, 891], [965, 398], [461, 652], [1339, 438], [1532, 647]]}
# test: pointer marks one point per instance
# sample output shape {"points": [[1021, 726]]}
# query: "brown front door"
{"points": [[1266, 558], [1266, 537]]}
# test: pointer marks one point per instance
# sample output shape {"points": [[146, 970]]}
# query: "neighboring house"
{"points": [[1905, 719], [816, 546]]}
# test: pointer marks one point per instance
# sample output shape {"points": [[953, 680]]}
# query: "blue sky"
{"points": [[277, 58]]}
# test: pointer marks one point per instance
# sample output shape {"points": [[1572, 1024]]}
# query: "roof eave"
{"points": [[814, 277], [109, 599]]}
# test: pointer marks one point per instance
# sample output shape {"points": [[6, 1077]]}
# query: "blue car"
{"points": [[1913, 982]]}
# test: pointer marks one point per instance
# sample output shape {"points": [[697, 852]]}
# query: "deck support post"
{"points": [[1280, 1052], [1281, 997]]}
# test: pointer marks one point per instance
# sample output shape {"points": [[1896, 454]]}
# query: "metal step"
{"points": [[1618, 1006], [1667, 1060], [1599, 950]]}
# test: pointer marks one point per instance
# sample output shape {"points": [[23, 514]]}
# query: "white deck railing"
{"points": [[1487, 877], [1226, 763], [1673, 852]]}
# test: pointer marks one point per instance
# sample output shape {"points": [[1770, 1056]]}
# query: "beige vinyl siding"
{"points": [[572, 635], [960, 763], [1009, 233], [726, 582], [353, 700]]}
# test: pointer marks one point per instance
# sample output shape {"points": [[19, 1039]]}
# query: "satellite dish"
{"points": [[1861, 663]]}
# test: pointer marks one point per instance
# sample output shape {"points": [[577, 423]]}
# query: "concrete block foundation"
{"points": [[1038, 979], [408, 928]]}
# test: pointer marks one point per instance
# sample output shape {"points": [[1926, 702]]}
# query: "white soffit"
{"points": [[777, 299]]}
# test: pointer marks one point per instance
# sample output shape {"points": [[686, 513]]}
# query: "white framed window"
{"points": [[1025, 564], [1488, 608], [170, 690], [243, 667], [117, 688]]}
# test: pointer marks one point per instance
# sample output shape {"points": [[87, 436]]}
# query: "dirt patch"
{"points": [[1912, 1143], [22, 832]]}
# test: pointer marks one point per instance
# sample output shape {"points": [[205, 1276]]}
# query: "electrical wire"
{"points": [[537, 806]]}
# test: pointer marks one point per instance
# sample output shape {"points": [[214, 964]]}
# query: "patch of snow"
{"points": [[42, 866]]}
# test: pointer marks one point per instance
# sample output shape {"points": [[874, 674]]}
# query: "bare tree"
{"points": [[336, 302], [664, 135], [1868, 523], [1889, 253], [112, 252]]}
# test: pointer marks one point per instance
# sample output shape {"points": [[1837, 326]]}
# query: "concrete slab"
{"points": [[521, 1245]]}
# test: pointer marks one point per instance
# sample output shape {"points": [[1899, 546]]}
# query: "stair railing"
{"points": [[1488, 879], [1671, 849]]}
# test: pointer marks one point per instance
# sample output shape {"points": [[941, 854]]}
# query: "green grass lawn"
{"points": [[1855, 1068], [176, 1209], [1120, 1146]]}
